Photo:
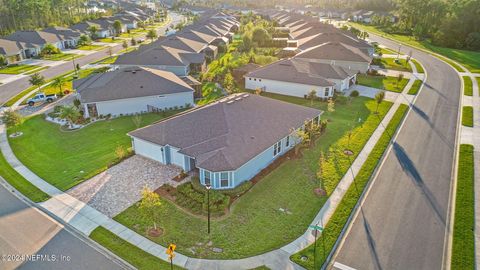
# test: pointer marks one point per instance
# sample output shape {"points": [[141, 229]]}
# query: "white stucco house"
{"points": [[132, 90], [298, 77]]}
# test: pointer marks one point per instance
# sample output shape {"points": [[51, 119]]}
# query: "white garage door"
{"points": [[148, 150]]}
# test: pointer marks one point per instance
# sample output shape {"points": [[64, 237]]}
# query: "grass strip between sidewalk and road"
{"points": [[415, 87], [468, 87], [339, 218], [467, 116], [20, 183], [418, 66], [463, 247], [130, 253]]}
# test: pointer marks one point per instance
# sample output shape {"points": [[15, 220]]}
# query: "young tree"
{"points": [[141, 24], [133, 42], [379, 97], [312, 95], [12, 119], [49, 49], [331, 105], [36, 80], [149, 205], [3, 61], [117, 26], [399, 78], [70, 113], [137, 120], [321, 165], [93, 30], [152, 34], [125, 44], [229, 83], [300, 138], [59, 82], [84, 40]]}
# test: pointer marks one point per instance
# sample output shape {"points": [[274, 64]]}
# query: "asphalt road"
{"points": [[26, 230], [402, 224], [9, 90]]}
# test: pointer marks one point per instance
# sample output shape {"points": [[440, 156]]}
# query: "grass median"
{"points": [[130, 253], [467, 86], [415, 87], [418, 66], [467, 116], [463, 247], [338, 220]]}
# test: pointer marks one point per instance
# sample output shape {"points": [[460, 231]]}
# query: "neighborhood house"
{"points": [[229, 141], [132, 90]]}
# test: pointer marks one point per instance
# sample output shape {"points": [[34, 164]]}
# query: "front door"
{"points": [[192, 164]]}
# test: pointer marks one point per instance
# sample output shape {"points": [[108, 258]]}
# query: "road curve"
{"points": [[403, 221]]}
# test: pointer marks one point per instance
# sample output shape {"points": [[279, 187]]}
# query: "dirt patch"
{"points": [[152, 232], [320, 192]]}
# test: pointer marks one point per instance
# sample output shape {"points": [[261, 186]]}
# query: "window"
{"points": [[255, 79], [287, 141], [259, 80], [249, 79], [277, 148], [206, 177], [327, 92], [224, 179]]}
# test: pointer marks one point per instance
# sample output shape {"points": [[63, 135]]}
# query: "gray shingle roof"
{"points": [[335, 51], [8, 47], [225, 135], [291, 70], [129, 82]]}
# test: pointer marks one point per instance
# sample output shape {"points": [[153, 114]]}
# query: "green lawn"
{"points": [[61, 56], [418, 66], [20, 183], [91, 48], [467, 86], [64, 159], [17, 69], [130, 253], [467, 116], [478, 84], [110, 40], [36, 70], [387, 51], [402, 65], [388, 83], [415, 87], [255, 224], [339, 218], [108, 60], [463, 248], [470, 59]]}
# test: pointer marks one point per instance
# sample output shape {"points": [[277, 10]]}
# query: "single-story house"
{"points": [[132, 90], [154, 55], [297, 77], [12, 51], [338, 54], [229, 141]]}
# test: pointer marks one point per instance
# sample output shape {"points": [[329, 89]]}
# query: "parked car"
{"points": [[41, 97]]}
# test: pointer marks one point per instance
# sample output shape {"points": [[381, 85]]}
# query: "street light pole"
{"points": [[208, 186], [74, 66]]}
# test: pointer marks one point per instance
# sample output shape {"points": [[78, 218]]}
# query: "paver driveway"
{"points": [[115, 189]]}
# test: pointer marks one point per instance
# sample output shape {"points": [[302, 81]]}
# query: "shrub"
{"points": [[354, 93]]}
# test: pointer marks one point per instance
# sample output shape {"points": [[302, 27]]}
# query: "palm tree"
{"points": [[379, 98], [70, 113], [59, 82], [37, 80]]}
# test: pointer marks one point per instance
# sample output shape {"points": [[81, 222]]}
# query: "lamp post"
{"points": [[74, 66], [208, 186]]}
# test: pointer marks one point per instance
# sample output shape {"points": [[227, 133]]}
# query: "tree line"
{"points": [[37, 14]]}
